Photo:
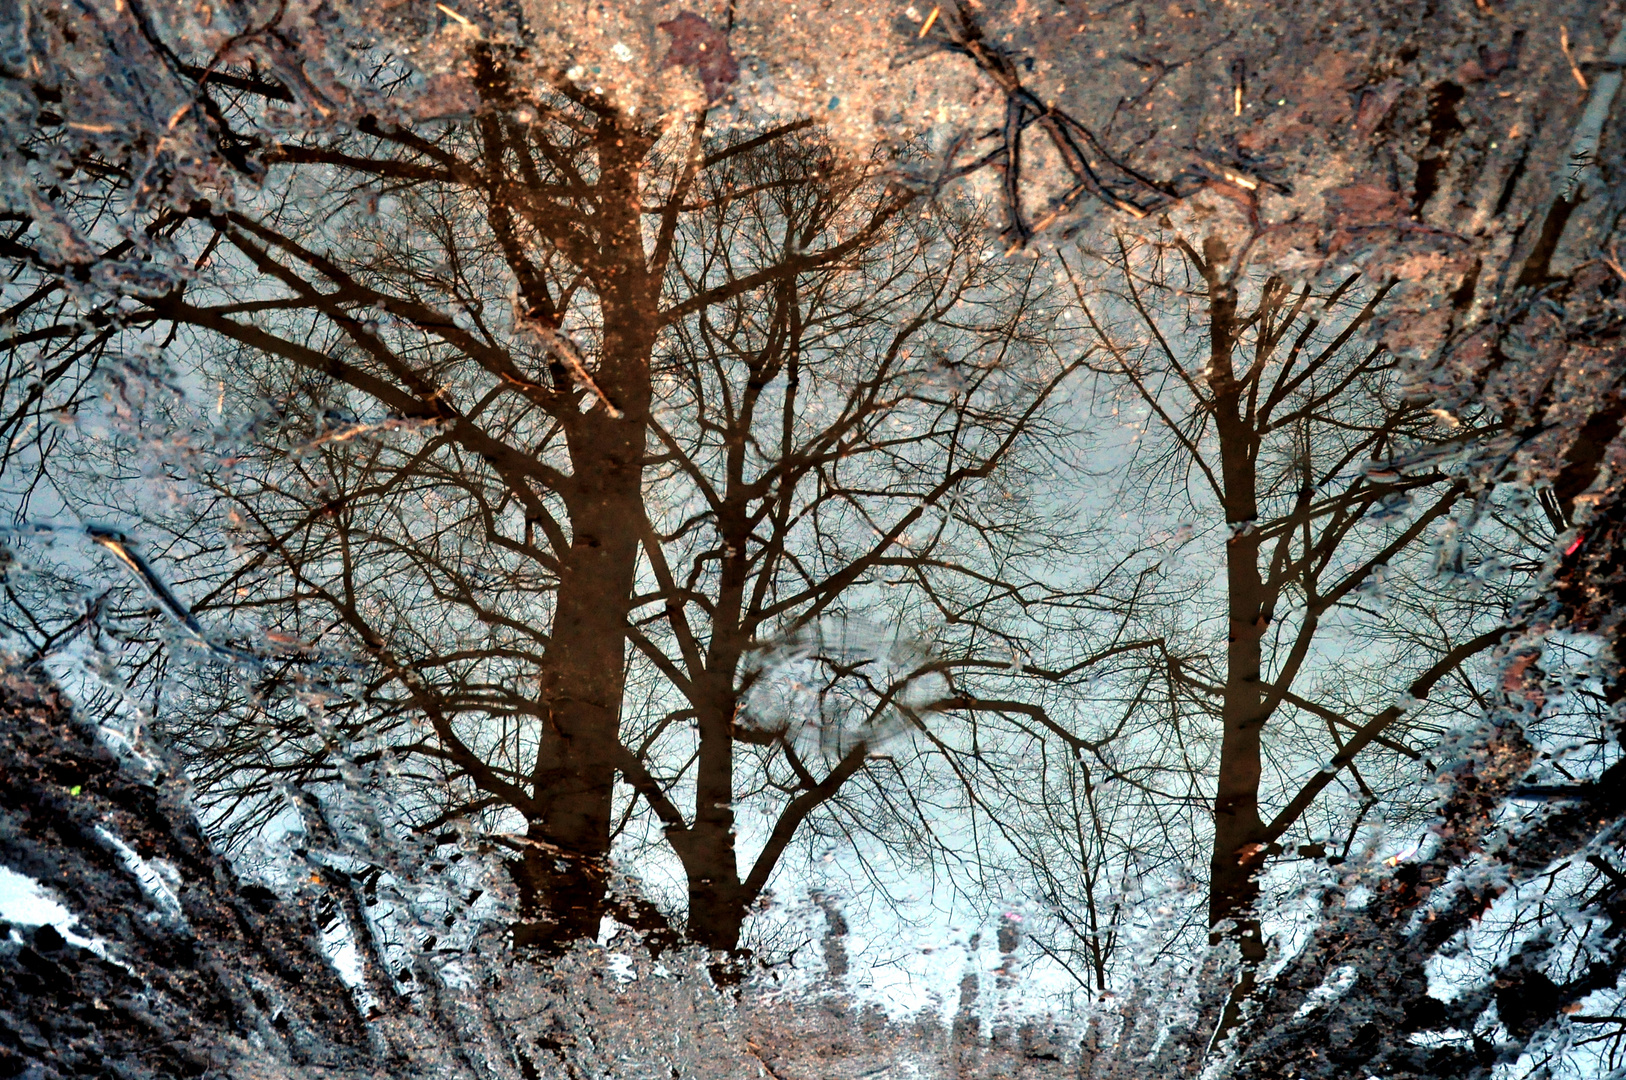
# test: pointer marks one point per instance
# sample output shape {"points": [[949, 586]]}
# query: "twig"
{"points": [[1077, 145], [1589, 129], [1575, 69], [565, 349]]}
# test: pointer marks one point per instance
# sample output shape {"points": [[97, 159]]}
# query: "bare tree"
{"points": [[538, 405], [820, 449], [839, 448], [439, 512], [1269, 410], [573, 205]]}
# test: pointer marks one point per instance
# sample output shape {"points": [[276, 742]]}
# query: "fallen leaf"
{"points": [[1427, 264], [698, 44], [1363, 204], [1376, 101]]}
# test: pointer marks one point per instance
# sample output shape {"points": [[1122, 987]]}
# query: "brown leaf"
{"points": [[1376, 101], [1491, 62], [1363, 204], [698, 44]]}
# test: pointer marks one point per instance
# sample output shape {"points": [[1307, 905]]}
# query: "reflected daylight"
{"points": [[737, 539]]}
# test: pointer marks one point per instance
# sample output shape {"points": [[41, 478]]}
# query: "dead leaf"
{"points": [[1492, 62], [446, 95], [1363, 204], [698, 44], [1248, 852], [1376, 101]]}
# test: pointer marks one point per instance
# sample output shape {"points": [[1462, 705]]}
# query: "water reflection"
{"points": [[726, 512]]}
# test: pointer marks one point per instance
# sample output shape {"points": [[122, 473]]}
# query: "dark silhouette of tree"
{"points": [[819, 452], [385, 304], [557, 198], [835, 446], [1327, 473], [537, 413]]}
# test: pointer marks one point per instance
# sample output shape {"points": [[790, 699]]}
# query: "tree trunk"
{"points": [[1238, 851], [716, 903], [561, 884], [716, 897], [561, 881]]}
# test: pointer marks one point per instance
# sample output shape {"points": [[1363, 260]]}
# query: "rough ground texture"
{"points": [[201, 975], [1419, 139], [211, 978]]}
